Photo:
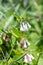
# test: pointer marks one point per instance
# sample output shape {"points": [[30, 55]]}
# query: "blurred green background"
{"points": [[12, 14]]}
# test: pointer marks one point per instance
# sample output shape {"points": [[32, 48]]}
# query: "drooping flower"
{"points": [[5, 37], [28, 58], [24, 26], [24, 43]]}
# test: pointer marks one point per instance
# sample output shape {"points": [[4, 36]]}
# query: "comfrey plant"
{"points": [[21, 32]]}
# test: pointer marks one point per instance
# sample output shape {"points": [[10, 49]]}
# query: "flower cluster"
{"points": [[24, 43], [24, 26], [28, 58]]}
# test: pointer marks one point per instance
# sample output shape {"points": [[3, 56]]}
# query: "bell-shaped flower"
{"points": [[24, 43], [28, 58], [24, 26], [5, 37]]}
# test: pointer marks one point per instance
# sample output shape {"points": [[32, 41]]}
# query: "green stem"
{"points": [[38, 59], [2, 52]]}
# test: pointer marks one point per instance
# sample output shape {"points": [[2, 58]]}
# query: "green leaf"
{"points": [[16, 32]]}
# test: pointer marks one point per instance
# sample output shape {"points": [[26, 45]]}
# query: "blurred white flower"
{"points": [[5, 37], [31, 56], [28, 42], [28, 58], [24, 46], [24, 26], [24, 43]]}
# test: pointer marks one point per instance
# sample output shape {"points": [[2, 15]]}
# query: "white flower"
{"points": [[24, 26], [5, 37], [24, 46], [24, 43], [31, 56], [28, 58], [28, 42]]}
